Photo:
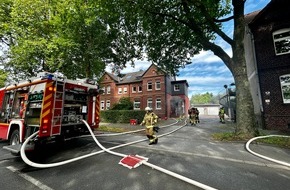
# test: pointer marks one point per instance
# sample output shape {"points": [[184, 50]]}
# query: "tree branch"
{"points": [[212, 24], [224, 19]]}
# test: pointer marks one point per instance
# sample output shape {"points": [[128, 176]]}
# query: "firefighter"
{"points": [[222, 114], [150, 120], [192, 115], [197, 115]]}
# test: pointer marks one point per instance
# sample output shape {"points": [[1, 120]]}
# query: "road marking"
{"points": [[29, 178]]}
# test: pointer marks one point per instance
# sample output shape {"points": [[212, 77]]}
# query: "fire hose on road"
{"points": [[109, 150]]}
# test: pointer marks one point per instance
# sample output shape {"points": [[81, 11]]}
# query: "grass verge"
{"points": [[283, 142], [112, 129]]}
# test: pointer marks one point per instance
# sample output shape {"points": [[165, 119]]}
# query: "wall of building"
{"points": [[271, 66]]}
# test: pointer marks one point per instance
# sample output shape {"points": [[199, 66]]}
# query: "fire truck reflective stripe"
{"points": [[46, 105], [48, 97], [45, 113], [97, 109]]}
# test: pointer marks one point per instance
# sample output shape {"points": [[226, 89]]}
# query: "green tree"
{"points": [[123, 104], [205, 98], [3, 78], [171, 32], [71, 37]]}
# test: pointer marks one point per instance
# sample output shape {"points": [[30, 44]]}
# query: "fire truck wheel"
{"points": [[15, 139]]}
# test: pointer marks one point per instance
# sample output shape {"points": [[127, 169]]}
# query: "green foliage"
{"points": [[171, 32], [72, 37], [206, 98], [121, 116], [3, 77], [123, 104]]}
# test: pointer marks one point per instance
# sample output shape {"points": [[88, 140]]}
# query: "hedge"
{"points": [[121, 116]]}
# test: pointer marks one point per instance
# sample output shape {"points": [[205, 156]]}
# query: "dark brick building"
{"points": [[269, 61], [154, 88]]}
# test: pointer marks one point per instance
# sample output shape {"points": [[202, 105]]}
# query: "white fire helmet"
{"points": [[148, 109]]}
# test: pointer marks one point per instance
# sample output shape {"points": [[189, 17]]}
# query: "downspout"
{"points": [[258, 79], [166, 88]]}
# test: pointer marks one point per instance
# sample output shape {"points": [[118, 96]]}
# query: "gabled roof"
{"points": [[250, 16], [154, 65], [274, 7], [127, 78]]}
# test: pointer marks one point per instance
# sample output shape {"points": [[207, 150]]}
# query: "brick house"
{"points": [[154, 88], [267, 50]]}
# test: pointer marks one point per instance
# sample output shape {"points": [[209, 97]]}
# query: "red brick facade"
{"points": [[145, 88]]}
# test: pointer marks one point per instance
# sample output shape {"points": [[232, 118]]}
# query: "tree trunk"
{"points": [[245, 115]]}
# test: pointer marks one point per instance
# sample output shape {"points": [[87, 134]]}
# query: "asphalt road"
{"points": [[189, 152]]}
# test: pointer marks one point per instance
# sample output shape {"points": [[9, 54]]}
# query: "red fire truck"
{"points": [[50, 104]]}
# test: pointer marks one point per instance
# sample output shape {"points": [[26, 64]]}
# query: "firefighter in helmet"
{"points": [[150, 120], [222, 114], [192, 116]]}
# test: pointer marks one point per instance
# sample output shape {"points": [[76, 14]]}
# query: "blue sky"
{"points": [[207, 73]]}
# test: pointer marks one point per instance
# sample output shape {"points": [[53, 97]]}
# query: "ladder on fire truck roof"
{"points": [[57, 112]]}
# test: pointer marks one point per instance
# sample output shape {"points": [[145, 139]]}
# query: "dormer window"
{"points": [[282, 41]]}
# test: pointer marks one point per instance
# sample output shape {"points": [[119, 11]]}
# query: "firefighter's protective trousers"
{"points": [[150, 119]]}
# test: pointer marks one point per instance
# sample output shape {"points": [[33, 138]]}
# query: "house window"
{"points": [[136, 104], [176, 87], [285, 88], [119, 90], [158, 103], [108, 89], [157, 85], [139, 88], [103, 90], [282, 41], [149, 102], [134, 89], [108, 104], [149, 86], [102, 105], [125, 90]]}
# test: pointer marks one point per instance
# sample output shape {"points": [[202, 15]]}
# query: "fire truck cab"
{"points": [[50, 104]]}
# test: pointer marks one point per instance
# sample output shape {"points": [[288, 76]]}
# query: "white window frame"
{"points": [[285, 88], [125, 90], [108, 104], [157, 85], [134, 89], [137, 104], [103, 89], [102, 106], [150, 103], [277, 39], [148, 85], [158, 104], [177, 87], [108, 89], [120, 90], [139, 88]]}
